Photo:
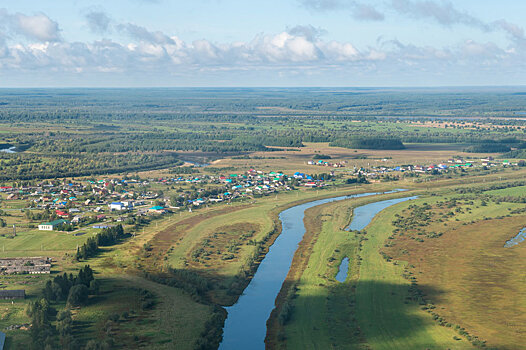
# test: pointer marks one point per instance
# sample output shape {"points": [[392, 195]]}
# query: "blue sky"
{"points": [[262, 43]]}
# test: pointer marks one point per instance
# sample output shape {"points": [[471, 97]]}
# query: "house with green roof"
{"points": [[51, 226]]}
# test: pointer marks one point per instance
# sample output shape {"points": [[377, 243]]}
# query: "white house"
{"points": [[118, 206]]}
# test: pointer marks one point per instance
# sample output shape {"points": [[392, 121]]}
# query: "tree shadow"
{"points": [[363, 315]]}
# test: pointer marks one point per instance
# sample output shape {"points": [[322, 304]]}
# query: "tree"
{"points": [[78, 295], [64, 322], [94, 287]]}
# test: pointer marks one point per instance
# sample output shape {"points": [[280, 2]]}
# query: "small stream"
{"points": [[521, 237]]}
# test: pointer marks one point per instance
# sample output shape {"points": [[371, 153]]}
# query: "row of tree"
{"points": [[107, 237]]}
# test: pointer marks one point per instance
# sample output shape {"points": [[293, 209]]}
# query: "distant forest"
{"points": [[71, 132]]}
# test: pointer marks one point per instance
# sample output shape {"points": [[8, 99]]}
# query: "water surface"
{"points": [[363, 215], [9, 150], [521, 236], [341, 276]]}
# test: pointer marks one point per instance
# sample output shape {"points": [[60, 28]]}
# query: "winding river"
{"points": [[245, 326]]}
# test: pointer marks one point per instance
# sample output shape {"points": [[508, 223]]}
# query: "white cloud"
{"points": [[310, 32], [39, 27], [300, 49], [143, 34]]}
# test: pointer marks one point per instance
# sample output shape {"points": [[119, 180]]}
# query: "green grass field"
{"points": [[368, 310], [518, 191], [386, 318]]}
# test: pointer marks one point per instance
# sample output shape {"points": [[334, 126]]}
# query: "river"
{"points": [[245, 326]]}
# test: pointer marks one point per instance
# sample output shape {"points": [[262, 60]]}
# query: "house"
{"points": [[50, 226], [118, 206], [13, 294], [157, 209], [61, 213], [101, 226]]}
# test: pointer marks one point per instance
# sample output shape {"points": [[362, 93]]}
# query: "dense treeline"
{"points": [[488, 148], [209, 104], [369, 143], [107, 237], [92, 132], [27, 166]]}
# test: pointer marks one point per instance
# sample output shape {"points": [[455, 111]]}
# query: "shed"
{"points": [[13, 294]]}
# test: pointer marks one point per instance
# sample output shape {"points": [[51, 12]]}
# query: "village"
{"points": [[97, 204], [452, 164], [71, 205]]}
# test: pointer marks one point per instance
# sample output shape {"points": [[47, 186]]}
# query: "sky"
{"points": [[164, 43]]}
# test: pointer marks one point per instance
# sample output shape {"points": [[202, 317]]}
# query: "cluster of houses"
{"points": [[327, 164], [453, 163], [93, 202]]}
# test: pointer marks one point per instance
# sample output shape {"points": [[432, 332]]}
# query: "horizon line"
{"points": [[267, 87]]}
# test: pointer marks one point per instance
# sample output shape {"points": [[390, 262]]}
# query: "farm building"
{"points": [[50, 226], [13, 294], [37, 265]]}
